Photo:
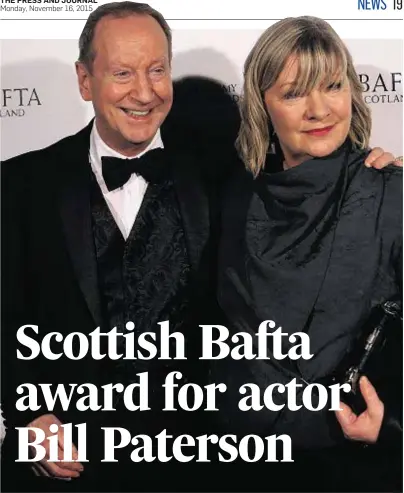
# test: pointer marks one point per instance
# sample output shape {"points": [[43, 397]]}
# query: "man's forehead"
{"points": [[118, 37], [128, 26], [112, 22]]}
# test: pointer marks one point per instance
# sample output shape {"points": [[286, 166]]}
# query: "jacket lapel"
{"points": [[75, 209], [194, 207]]}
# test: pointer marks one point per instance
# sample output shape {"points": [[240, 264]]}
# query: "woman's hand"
{"points": [[366, 426], [379, 159]]}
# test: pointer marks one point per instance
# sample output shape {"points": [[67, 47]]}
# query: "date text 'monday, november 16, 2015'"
{"points": [[24, 6]]}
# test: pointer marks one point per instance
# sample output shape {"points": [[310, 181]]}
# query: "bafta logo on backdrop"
{"points": [[16, 101], [381, 87]]}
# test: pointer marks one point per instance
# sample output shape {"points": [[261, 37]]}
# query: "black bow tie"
{"points": [[151, 166]]}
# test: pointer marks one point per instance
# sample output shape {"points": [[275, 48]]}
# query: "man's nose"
{"points": [[317, 106], [142, 89]]}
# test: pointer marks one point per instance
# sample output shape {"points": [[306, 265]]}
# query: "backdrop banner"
{"points": [[40, 101]]}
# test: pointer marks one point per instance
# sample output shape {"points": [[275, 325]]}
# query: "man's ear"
{"points": [[83, 79]]}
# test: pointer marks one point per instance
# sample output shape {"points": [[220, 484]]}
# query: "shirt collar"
{"points": [[99, 148]]}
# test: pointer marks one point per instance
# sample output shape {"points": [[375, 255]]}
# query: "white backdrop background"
{"points": [[42, 71]]}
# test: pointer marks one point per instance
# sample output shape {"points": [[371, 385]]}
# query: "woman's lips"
{"points": [[320, 131]]}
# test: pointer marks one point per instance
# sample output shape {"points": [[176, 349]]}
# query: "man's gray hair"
{"points": [[116, 10]]}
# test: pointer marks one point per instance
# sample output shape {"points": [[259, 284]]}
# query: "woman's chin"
{"points": [[324, 150]]}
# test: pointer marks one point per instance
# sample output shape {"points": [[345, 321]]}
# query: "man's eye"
{"points": [[122, 73], [158, 70]]}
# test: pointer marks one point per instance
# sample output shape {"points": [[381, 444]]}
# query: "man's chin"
{"points": [[139, 138], [133, 145]]}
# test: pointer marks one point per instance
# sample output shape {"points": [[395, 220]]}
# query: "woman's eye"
{"points": [[291, 95], [335, 86]]}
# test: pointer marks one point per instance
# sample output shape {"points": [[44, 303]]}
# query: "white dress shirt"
{"points": [[124, 203]]}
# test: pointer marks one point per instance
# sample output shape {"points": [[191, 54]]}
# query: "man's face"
{"points": [[130, 82]]}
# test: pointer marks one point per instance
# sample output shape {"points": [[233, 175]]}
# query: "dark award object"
{"points": [[368, 350]]}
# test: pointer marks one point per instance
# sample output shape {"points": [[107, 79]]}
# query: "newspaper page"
{"points": [[201, 235]]}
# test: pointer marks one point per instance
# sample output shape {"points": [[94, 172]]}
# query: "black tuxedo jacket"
{"points": [[49, 271]]}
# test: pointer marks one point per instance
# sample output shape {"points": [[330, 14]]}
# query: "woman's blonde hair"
{"points": [[321, 55]]}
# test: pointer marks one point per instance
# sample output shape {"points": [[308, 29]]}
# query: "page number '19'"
{"points": [[398, 4]]}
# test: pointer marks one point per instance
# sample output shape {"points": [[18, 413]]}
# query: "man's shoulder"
{"points": [[42, 156]]}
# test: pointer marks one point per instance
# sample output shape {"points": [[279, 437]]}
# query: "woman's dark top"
{"points": [[313, 248]]}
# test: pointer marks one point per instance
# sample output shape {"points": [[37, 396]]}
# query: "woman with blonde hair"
{"points": [[312, 240]]}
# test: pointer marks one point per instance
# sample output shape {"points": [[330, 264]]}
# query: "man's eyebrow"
{"points": [[160, 59]]}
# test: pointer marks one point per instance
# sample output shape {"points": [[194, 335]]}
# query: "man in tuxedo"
{"points": [[103, 228]]}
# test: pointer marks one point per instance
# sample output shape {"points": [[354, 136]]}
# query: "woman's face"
{"points": [[308, 126]]}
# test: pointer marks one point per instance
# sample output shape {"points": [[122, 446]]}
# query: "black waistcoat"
{"points": [[144, 279]]}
